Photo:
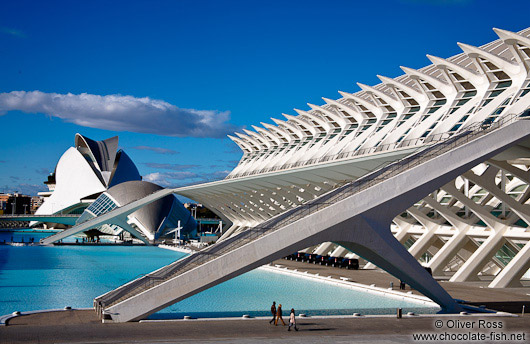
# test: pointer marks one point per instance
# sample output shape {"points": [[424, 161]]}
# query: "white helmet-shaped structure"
{"points": [[148, 223]]}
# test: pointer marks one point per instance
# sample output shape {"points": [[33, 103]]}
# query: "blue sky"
{"points": [[172, 78]]}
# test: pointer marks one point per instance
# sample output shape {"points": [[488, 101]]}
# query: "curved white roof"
{"points": [[87, 170], [75, 180]]}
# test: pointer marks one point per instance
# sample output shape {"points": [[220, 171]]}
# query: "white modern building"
{"points": [[302, 157], [431, 166], [162, 217]]}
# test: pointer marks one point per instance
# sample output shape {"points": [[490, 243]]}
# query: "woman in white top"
{"points": [[292, 321]]}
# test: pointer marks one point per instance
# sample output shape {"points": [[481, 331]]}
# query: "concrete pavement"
{"points": [[84, 327]]}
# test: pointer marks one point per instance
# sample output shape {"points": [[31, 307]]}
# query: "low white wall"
{"points": [[394, 294]]}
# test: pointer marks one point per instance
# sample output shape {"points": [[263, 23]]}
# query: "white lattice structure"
{"points": [[475, 225]]}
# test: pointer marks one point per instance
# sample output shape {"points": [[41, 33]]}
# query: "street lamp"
{"points": [[25, 205], [13, 204]]}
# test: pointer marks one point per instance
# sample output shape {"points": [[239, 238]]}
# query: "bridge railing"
{"points": [[5, 216], [199, 258], [410, 143]]}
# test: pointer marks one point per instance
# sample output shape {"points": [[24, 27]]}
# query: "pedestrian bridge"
{"points": [[357, 216]]}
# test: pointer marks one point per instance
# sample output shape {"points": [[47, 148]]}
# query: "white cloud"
{"points": [[26, 189], [217, 175], [166, 179], [181, 178], [121, 113], [159, 150], [176, 167], [12, 32]]}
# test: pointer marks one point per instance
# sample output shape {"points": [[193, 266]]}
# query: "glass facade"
{"points": [[103, 204]]}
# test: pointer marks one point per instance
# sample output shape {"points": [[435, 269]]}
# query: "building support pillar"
{"points": [[511, 275], [324, 248], [469, 271], [448, 252], [423, 243], [401, 236], [339, 252], [370, 237]]}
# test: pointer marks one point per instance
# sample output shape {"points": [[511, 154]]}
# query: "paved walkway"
{"points": [[84, 327]]}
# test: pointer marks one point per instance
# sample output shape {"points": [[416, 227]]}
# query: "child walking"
{"points": [[292, 321]]}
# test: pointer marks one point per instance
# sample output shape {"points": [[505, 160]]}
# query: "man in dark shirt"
{"points": [[273, 311], [279, 315]]}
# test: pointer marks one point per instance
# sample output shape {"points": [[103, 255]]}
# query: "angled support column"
{"points": [[402, 229], [503, 165], [324, 248], [426, 239], [342, 252], [451, 248], [423, 243], [369, 236], [511, 275], [308, 249], [448, 252], [401, 236], [123, 224], [339, 252], [229, 231], [369, 266], [475, 263], [487, 181]]}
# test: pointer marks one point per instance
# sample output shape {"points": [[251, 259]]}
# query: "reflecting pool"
{"points": [[47, 277]]}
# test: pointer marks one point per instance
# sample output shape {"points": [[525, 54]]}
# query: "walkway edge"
{"points": [[352, 285], [5, 318]]}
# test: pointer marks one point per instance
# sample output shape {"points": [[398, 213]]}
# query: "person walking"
{"points": [[273, 311], [279, 315], [292, 321]]}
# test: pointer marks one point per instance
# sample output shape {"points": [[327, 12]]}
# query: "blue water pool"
{"points": [[24, 236], [40, 277]]}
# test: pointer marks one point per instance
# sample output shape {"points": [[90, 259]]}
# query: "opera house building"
{"points": [[94, 177]]}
